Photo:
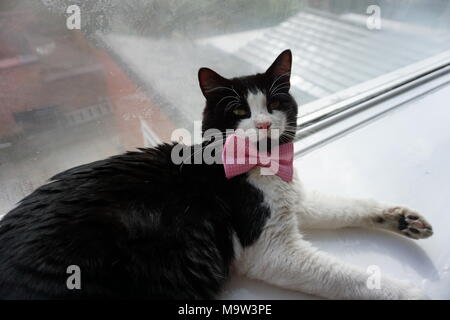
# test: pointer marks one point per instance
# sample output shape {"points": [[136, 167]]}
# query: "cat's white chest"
{"points": [[283, 199], [280, 196]]}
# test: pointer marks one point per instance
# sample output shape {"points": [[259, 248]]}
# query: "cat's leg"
{"points": [[286, 260], [319, 211]]}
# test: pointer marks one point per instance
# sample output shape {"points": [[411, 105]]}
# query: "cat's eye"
{"points": [[274, 105], [240, 112]]}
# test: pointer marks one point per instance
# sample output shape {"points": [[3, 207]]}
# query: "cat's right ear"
{"points": [[210, 81]]}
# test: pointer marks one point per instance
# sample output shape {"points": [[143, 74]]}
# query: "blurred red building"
{"points": [[52, 78]]}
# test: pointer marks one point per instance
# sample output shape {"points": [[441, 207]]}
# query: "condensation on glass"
{"points": [[129, 76]]}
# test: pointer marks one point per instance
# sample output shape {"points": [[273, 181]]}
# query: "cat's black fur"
{"points": [[136, 224]]}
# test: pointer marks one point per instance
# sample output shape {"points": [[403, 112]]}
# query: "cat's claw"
{"points": [[406, 222]]}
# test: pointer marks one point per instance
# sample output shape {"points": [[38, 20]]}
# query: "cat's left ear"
{"points": [[280, 70]]}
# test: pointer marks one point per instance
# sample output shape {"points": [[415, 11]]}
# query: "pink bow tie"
{"points": [[240, 156]]}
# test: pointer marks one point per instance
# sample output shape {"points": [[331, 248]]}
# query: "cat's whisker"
{"points": [[219, 88], [278, 78], [277, 91], [280, 94], [236, 99], [235, 91], [276, 88], [291, 127], [232, 103], [286, 136]]}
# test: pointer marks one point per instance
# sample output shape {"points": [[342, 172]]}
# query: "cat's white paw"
{"points": [[415, 294], [404, 221], [409, 292], [403, 290]]}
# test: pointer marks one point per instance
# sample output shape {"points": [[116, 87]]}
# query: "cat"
{"points": [[137, 225]]}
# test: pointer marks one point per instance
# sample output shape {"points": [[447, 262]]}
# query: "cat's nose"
{"points": [[263, 125]]}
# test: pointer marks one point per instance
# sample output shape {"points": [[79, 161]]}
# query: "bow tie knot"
{"points": [[240, 156]]}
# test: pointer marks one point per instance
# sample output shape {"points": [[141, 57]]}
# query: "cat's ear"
{"points": [[210, 80], [280, 70]]}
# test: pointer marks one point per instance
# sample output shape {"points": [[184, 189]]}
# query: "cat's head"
{"points": [[260, 101]]}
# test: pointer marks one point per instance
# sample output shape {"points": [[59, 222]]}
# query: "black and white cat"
{"points": [[138, 225]]}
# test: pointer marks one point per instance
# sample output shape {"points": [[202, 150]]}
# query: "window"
{"points": [[128, 77]]}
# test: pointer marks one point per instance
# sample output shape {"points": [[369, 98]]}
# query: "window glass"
{"points": [[82, 80]]}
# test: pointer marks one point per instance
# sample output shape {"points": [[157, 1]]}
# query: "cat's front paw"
{"points": [[403, 290], [406, 222], [410, 292], [414, 293]]}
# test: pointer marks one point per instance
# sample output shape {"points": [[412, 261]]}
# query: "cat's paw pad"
{"points": [[407, 222]]}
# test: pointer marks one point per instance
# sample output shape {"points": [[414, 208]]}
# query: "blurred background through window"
{"points": [[128, 77]]}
